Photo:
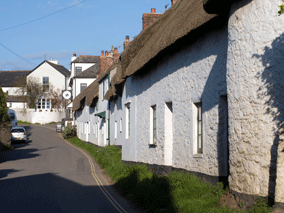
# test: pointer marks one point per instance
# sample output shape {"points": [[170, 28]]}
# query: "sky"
{"points": [[32, 31]]}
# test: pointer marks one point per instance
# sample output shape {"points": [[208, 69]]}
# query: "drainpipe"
{"points": [[108, 112]]}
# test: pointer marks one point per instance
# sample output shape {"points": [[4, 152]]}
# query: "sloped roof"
{"points": [[182, 20], [11, 98], [59, 68], [10, 78], [87, 59], [91, 72], [92, 91]]}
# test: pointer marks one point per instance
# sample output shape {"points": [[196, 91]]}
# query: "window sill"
{"points": [[198, 155], [152, 145]]}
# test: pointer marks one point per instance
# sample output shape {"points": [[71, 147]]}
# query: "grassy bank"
{"points": [[177, 192]]}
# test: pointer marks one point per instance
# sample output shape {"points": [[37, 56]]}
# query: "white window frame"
{"points": [[198, 146], [127, 120], [153, 141], [115, 129]]}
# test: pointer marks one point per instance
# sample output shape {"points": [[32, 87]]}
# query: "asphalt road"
{"points": [[47, 174]]}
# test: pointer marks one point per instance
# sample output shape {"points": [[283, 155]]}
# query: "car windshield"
{"points": [[18, 130]]}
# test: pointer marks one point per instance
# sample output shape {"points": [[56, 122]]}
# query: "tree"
{"points": [[281, 8], [4, 117], [33, 89]]}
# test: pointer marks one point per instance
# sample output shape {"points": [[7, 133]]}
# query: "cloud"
{"points": [[48, 55], [15, 65]]}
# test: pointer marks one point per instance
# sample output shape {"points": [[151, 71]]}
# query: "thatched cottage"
{"points": [[200, 89]]}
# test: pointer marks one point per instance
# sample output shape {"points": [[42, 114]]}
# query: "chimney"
{"points": [[115, 54], [149, 18], [125, 44], [173, 2], [74, 57]]}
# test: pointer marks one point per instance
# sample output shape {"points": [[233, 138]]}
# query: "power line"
{"points": [[26, 60], [42, 17]]}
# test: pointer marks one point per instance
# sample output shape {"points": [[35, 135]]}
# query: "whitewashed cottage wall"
{"points": [[255, 95], [195, 74]]}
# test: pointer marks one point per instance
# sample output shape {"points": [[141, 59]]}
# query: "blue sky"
{"points": [[86, 29]]}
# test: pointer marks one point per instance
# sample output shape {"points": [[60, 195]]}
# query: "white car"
{"points": [[18, 133]]}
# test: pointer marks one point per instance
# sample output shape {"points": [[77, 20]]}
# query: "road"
{"points": [[47, 174]]}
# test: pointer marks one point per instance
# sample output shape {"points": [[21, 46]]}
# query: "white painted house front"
{"points": [[9, 81], [201, 90]]}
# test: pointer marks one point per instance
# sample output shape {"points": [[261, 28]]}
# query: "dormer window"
{"points": [[78, 70]]}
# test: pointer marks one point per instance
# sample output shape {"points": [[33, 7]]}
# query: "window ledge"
{"points": [[152, 145], [198, 155]]}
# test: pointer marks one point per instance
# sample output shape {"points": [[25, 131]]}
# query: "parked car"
{"points": [[18, 133]]}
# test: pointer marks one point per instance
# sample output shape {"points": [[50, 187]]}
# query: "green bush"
{"points": [[4, 117], [69, 132]]}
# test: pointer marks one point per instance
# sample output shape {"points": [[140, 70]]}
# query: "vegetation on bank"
{"points": [[177, 192]]}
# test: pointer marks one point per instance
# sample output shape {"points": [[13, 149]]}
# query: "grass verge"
{"points": [[23, 122], [177, 192], [6, 147]]}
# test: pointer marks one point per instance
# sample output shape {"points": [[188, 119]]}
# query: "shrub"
{"points": [[4, 117], [69, 132]]}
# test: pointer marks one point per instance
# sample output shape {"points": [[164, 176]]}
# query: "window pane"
{"points": [[78, 70]]}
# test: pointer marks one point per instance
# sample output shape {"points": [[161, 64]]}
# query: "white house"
{"points": [[201, 90], [10, 82], [92, 113]]}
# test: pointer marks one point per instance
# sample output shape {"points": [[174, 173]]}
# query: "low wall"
{"points": [[40, 116], [5, 135]]}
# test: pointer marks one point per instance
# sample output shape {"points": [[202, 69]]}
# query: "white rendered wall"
{"points": [[12, 90], [196, 73], [43, 117], [55, 77], [255, 97], [78, 82]]}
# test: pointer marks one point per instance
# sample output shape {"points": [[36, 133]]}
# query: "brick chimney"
{"points": [[125, 44], [173, 2], [150, 18], [115, 54], [107, 59]]}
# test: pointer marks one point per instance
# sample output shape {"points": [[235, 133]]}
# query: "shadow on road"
{"points": [[51, 193]]}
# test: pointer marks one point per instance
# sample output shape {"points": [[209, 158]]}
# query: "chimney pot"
{"points": [[106, 53], [173, 2], [74, 54], [102, 53], [153, 10], [127, 38]]}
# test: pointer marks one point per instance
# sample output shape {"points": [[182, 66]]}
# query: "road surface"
{"points": [[47, 174]]}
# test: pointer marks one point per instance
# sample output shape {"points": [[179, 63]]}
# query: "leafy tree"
{"points": [[281, 10], [4, 117], [33, 89]]}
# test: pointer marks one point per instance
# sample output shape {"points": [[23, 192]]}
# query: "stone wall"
{"points": [[5, 135], [255, 97]]}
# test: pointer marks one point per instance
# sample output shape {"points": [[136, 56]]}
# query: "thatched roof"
{"points": [[177, 23], [180, 20]]}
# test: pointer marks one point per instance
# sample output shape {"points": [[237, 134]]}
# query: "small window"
{"points": [[120, 125], [78, 70], [153, 126], [198, 128], [128, 121], [115, 129], [45, 83], [83, 87]]}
